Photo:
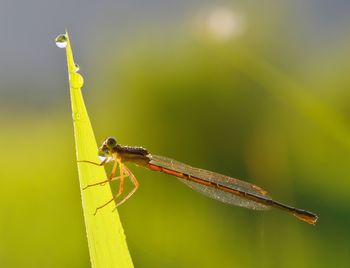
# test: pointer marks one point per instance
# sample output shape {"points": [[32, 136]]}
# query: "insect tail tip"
{"points": [[306, 216]]}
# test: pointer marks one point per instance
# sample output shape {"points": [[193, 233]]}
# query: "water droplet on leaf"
{"points": [[76, 80], [77, 67], [61, 41], [76, 116]]}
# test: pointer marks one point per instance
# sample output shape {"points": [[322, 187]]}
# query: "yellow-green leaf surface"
{"points": [[105, 234]]}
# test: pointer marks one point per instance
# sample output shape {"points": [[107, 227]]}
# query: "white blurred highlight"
{"points": [[102, 158], [221, 23]]}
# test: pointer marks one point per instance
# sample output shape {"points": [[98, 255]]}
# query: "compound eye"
{"points": [[103, 149], [111, 142]]}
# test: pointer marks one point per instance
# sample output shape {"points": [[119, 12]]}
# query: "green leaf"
{"points": [[105, 234]]}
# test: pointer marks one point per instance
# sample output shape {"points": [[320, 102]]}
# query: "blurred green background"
{"points": [[255, 90]]}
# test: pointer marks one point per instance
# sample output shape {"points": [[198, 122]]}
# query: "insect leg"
{"points": [[111, 177], [94, 163], [122, 176], [103, 182], [133, 180]]}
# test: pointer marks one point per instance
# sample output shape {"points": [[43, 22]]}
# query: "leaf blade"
{"points": [[105, 234]]}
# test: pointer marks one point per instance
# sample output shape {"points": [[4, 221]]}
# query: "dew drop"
{"points": [[76, 80], [76, 116], [77, 67], [61, 41]]}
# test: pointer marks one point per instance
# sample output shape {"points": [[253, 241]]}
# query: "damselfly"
{"points": [[220, 187]]}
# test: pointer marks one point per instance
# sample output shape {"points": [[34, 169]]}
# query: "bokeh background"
{"points": [[258, 90]]}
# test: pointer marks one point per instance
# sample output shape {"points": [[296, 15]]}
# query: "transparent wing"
{"points": [[210, 176], [224, 197]]}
